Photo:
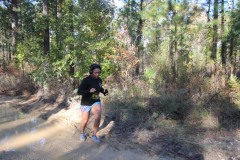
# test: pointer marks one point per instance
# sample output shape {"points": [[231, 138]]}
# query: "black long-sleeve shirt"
{"points": [[84, 90]]}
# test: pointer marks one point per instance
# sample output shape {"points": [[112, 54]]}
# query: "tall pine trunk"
{"points": [[215, 31], [175, 49], [46, 37], [138, 42], [71, 46], [15, 18], [58, 16], [223, 46], [231, 47], [172, 44], [208, 11]]}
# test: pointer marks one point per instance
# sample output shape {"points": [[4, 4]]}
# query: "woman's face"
{"points": [[96, 73]]}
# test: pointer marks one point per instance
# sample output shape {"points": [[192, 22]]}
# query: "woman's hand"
{"points": [[92, 90], [105, 92]]}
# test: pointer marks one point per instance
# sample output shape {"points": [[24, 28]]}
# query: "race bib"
{"points": [[95, 96]]}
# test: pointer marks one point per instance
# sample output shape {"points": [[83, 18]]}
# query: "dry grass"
{"points": [[210, 121], [13, 82]]}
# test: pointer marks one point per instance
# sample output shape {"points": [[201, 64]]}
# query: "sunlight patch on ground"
{"points": [[30, 100], [13, 101], [24, 139], [13, 124]]}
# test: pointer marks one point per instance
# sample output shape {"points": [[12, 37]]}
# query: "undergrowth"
{"points": [[208, 102], [13, 82]]}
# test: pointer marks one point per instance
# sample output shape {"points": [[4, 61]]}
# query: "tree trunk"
{"points": [[9, 53], [15, 18], [156, 37], [172, 44], [71, 46], [231, 47], [59, 29], [231, 50], [223, 46], [46, 37], [215, 31], [57, 16], [175, 44], [3, 51], [138, 41], [128, 12], [208, 11], [175, 49]]}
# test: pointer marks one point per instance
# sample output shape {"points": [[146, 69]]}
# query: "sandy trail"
{"points": [[26, 136]]}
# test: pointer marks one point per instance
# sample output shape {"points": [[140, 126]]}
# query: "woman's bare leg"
{"points": [[96, 110], [85, 117]]}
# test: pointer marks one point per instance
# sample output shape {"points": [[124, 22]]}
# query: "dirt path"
{"points": [[26, 136], [47, 129]]}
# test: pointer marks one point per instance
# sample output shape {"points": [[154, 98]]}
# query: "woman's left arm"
{"points": [[103, 91]]}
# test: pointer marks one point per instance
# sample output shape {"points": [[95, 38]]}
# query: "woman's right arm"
{"points": [[82, 89]]}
